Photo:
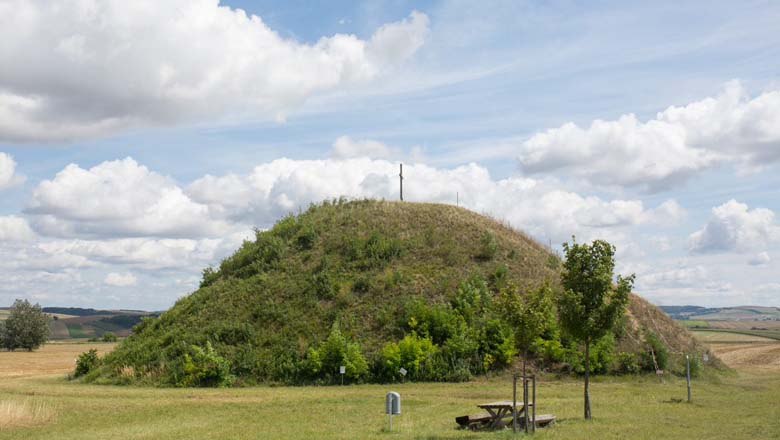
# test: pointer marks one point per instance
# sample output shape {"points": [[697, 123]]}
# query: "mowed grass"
{"points": [[738, 405]]}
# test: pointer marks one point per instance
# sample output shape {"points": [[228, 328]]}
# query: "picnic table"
{"points": [[497, 412]]}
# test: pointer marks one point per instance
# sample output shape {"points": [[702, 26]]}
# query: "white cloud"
{"points": [[120, 279], [760, 259], [14, 228], [542, 208], [8, 175], [345, 147], [659, 153], [89, 68], [118, 198], [735, 227]]}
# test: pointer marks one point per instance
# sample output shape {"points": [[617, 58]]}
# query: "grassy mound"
{"points": [[373, 286]]}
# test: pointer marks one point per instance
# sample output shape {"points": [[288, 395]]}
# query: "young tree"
{"points": [[529, 316], [26, 327], [591, 302]]}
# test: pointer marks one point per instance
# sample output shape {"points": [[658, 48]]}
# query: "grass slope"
{"points": [[358, 263]]}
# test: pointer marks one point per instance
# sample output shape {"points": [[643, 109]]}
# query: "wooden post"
{"points": [[401, 176], [533, 419], [514, 402], [525, 403], [688, 375]]}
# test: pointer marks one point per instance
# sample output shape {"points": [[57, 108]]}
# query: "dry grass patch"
{"points": [[52, 358], [25, 414]]}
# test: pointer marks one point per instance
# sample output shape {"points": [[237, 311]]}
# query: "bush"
{"points": [[324, 362], [201, 367], [108, 337], [306, 238], [86, 362], [488, 247], [415, 354], [627, 363], [655, 349]]}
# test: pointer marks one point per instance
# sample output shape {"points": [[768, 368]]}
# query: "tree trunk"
{"points": [[587, 380]]}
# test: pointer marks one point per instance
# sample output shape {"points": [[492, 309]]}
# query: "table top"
{"points": [[502, 404]]}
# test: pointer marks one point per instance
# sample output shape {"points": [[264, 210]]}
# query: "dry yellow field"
{"points": [[53, 358]]}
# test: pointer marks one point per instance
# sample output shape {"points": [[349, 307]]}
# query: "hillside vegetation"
{"points": [[374, 286]]}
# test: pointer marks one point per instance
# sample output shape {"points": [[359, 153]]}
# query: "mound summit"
{"points": [[374, 285]]}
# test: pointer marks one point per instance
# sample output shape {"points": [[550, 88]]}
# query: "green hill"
{"points": [[374, 285]]}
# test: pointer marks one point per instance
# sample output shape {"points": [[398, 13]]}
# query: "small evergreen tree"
{"points": [[591, 302], [26, 327]]}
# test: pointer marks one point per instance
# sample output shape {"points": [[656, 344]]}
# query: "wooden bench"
{"points": [[473, 422], [543, 420]]}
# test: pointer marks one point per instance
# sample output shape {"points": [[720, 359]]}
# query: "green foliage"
{"points": [[627, 363], [590, 304], [108, 337], [26, 327], [87, 362], [323, 363], [530, 315], [306, 238], [372, 252], [415, 354], [199, 367], [488, 247], [655, 349]]}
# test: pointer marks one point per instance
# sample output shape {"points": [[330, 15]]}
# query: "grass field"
{"points": [[36, 402]]}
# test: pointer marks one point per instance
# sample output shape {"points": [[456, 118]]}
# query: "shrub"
{"points": [[324, 362], [108, 337], [201, 367], [86, 362], [488, 247], [210, 275], [306, 238], [323, 285], [655, 349], [415, 354], [627, 363]]}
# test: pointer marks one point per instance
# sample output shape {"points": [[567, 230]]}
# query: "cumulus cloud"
{"points": [[89, 68], [676, 144], [734, 227], [345, 147], [543, 209], [120, 279], [118, 198], [8, 175], [14, 228]]}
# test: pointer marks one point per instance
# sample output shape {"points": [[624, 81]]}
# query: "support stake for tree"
{"points": [[688, 375], [514, 402]]}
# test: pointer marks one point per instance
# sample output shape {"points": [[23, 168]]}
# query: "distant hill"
{"points": [[739, 313], [406, 284], [77, 323]]}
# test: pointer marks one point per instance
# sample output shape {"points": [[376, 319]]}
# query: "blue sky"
{"points": [[136, 153]]}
